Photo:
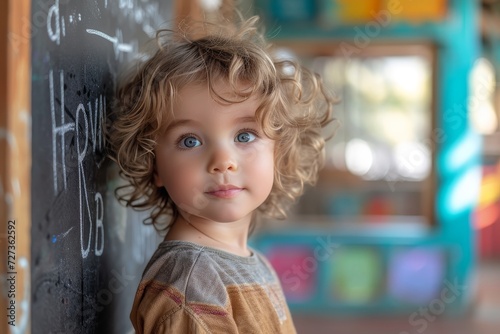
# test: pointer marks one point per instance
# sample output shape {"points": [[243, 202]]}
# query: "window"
{"points": [[380, 161]]}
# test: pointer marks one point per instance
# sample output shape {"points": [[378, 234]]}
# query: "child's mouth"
{"points": [[225, 192]]}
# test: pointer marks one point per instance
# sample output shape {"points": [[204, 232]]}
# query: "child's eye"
{"points": [[245, 137], [189, 142]]}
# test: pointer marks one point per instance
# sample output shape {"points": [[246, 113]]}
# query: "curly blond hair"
{"points": [[294, 107]]}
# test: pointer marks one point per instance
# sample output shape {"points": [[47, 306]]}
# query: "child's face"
{"points": [[214, 160]]}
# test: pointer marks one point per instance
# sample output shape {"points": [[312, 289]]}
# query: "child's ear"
{"points": [[157, 181]]}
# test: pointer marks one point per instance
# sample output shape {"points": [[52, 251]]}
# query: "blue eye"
{"points": [[245, 137], [189, 142]]}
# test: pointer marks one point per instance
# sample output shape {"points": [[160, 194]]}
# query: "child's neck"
{"points": [[229, 237]]}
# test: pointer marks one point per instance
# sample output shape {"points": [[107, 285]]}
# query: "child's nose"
{"points": [[222, 160]]}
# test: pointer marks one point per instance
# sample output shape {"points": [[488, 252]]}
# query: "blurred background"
{"points": [[400, 235], [408, 204]]}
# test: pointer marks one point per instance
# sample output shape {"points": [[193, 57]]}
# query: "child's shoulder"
{"points": [[186, 265], [202, 274]]}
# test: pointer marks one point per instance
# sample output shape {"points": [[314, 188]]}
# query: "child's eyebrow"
{"points": [[180, 122], [245, 119]]}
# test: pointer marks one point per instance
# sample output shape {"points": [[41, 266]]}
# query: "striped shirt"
{"points": [[188, 288]]}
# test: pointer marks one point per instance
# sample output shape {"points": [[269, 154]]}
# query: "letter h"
{"points": [[58, 130]]}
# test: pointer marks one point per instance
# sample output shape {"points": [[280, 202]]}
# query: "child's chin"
{"points": [[228, 217]]}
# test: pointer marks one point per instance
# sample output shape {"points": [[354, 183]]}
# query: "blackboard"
{"points": [[88, 252]]}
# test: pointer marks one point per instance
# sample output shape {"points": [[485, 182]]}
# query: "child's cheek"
{"points": [[259, 150], [260, 165]]}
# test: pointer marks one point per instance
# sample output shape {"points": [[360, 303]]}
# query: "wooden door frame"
{"points": [[15, 162]]}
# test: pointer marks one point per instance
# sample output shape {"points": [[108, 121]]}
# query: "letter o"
{"points": [[102, 300], [39, 19], [309, 264], [440, 306], [416, 157]]}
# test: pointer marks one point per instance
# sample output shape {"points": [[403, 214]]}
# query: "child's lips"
{"points": [[225, 192]]}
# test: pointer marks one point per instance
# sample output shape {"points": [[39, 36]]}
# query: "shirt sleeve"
{"points": [[156, 311], [180, 322]]}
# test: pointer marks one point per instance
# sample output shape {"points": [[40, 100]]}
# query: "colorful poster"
{"points": [[297, 269], [415, 276], [356, 274]]}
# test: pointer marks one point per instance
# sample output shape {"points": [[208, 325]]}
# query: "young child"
{"points": [[210, 132]]}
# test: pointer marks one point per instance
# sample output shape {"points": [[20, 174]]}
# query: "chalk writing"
{"points": [[58, 130], [58, 237], [118, 46], [91, 123], [147, 15], [84, 197], [54, 23], [61, 127]]}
